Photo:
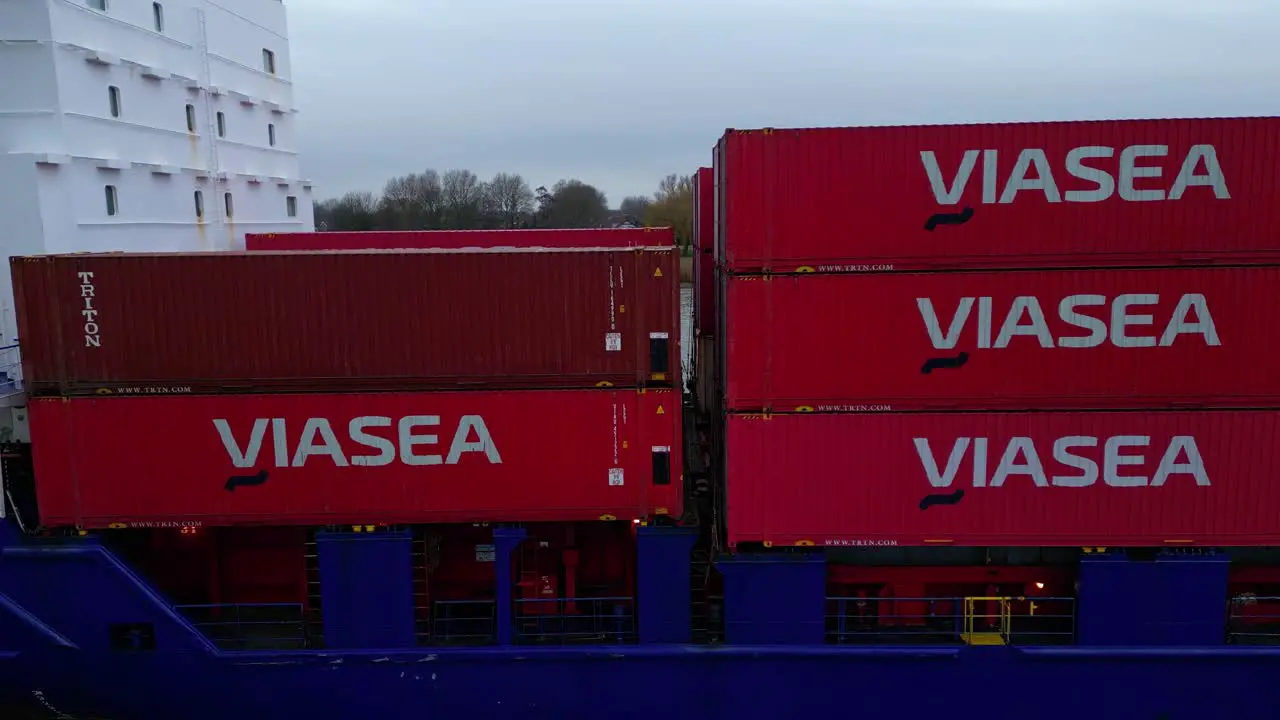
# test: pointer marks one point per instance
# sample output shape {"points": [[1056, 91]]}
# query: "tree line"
{"points": [[459, 200]]}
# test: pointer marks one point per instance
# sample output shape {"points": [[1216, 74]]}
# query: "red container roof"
{"points": [[461, 239]]}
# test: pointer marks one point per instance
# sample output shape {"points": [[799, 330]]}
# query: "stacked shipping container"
{"points": [[1053, 272], [569, 359], [267, 322], [704, 274], [323, 459]]}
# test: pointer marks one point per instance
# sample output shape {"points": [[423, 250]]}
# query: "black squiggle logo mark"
{"points": [[941, 499], [253, 480], [959, 218], [944, 363]]}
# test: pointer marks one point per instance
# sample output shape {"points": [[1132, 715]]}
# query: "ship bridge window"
{"points": [[157, 16], [113, 204], [271, 134], [100, 5], [291, 205], [230, 207], [113, 97], [199, 204], [191, 118], [222, 124], [269, 61]]}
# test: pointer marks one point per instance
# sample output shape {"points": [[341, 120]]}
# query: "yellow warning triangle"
{"points": [[657, 272], [661, 411]]}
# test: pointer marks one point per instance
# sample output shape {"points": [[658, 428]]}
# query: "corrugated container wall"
{"points": [[1109, 338], [703, 252], [352, 458], [212, 322], [1027, 194], [460, 239], [1010, 479]]}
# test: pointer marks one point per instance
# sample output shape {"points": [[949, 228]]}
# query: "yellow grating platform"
{"points": [[983, 638]]}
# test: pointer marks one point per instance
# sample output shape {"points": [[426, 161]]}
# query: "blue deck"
{"points": [[81, 633]]}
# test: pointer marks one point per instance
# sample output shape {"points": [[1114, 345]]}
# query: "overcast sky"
{"points": [[619, 93]]}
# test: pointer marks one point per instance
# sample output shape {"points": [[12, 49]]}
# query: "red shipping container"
{"points": [[1005, 479], [1025, 194], [460, 239], [358, 458], [172, 323], [704, 199], [1031, 339], [704, 210]]}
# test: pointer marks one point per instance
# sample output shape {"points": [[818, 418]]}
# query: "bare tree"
{"points": [[411, 202], [673, 186], [459, 200], [463, 200], [353, 211], [361, 201], [509, 200], [635, 207], [673, 207]]}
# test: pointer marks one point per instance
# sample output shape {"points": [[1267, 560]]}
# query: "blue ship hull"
{"points": [[678, 683], [81, 635]]}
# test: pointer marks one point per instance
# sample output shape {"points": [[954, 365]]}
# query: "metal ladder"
{"points": [[313, 620]]}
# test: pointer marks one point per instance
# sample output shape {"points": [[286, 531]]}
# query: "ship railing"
{"points": [[461, 622], [10, 369], [972, 620], [1253, 620], [250, 626], [575, 620]]}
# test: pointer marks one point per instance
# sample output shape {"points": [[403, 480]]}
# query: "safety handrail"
{"points": [[942, 620]]}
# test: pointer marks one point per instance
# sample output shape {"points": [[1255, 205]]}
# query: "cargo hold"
{"points": [[1024, 194], [1085, 339], [460, 239], [357, 458], [1007, 479], [330, 321]]}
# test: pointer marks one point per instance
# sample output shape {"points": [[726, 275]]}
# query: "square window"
{"points": [[113, 205], [291, 205]]}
